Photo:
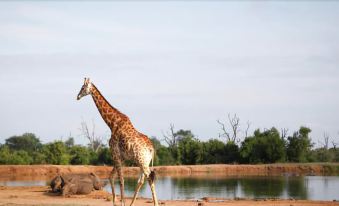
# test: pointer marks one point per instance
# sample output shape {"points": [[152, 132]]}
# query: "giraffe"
{"points": [[126, 143]]}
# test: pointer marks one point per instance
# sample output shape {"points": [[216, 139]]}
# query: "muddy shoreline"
{"points": [[35, 172], [40, 195]]}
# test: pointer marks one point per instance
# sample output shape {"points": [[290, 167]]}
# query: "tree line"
{"points": [[181, 148]]}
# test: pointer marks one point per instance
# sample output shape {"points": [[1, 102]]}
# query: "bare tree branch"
{"points": [[284, 132], [326, 139], [95, 142], [234, 123], [248, 124], [170, 137], [225, 133]]}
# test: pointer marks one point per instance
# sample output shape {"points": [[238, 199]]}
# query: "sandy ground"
{"points": [[41, 195]]}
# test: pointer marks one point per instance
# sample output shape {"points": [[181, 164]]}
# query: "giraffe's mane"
{"points": [[109, 104]]}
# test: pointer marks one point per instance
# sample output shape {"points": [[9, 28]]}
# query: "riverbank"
{"points": [[33, 172], [40, 195]]}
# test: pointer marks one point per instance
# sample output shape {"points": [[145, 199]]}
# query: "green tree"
{"points": [[335, 152], [263, 147], [5, 155], [231, 154], [163, 155], [191, 150], [21, 157], [156, 144], [299, 145], [320, 155], [27, 142], [14, 157], [79, 155], [213, 152], [39, 157], [173, 138], [56, 153], [104, 156]]}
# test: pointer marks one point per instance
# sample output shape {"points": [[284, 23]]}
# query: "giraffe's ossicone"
{"points": [[126, 143]]}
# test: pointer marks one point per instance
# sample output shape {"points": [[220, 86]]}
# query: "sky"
{"points": [[187, 63]]}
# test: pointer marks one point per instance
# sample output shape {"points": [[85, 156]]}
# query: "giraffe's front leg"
{"points": [[111, 180]]}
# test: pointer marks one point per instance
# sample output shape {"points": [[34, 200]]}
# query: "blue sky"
{"points": [[186, 63]]}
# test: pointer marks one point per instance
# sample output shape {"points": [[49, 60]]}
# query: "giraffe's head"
{"points": [[86, 89]]}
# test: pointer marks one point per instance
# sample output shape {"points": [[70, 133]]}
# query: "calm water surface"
{"points": [[308, 187]]}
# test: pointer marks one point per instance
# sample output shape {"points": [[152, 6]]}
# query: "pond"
{"points": [[285, 187]]}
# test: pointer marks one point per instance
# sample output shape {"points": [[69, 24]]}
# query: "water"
{"points": [[169, 188]]}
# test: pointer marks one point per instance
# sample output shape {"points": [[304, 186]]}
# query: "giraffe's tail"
{"points": [[152, 174], [153, 155]]}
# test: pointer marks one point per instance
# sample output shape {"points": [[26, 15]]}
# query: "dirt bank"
{"points": [[17, 172], [41, 196]]}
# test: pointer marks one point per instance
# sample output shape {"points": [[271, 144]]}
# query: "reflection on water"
{"points": [[309, 187], [297, 188], [23, 183]]}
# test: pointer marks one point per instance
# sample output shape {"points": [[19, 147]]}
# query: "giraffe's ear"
{"points": [[86, 81]]}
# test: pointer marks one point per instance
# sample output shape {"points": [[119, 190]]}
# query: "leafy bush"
{"points": [[56, 153], [263, 147], [299, 145], [232, 154], [5, 155], [21, 157], [190, 150], [79, 155], [15, 157], [104, 156], [214, 152]]}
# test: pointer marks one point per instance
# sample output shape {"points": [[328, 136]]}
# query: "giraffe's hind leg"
{"points": [[140, 183], [150, 177], [111, 180], [122, 185]]}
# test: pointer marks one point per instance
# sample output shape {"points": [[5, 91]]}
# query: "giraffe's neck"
{"points": [[110, 114]]}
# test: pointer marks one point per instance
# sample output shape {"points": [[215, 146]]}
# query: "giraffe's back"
{"points": [[135, 146]]}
